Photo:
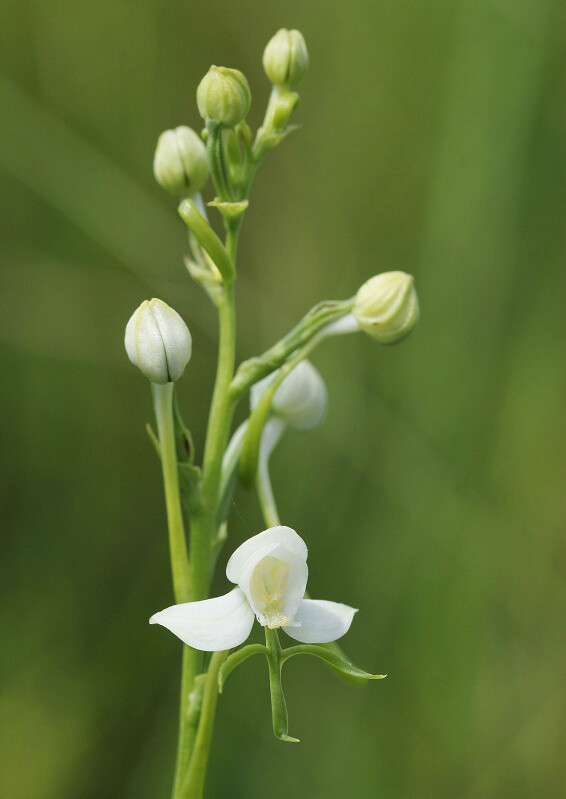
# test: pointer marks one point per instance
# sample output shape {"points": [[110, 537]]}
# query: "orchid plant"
{"points": [[269, 570]]}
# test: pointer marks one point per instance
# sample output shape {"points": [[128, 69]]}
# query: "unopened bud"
{"points": [[180, 164], [387, 306], [286, 58], [301, 399], [224, 96], [158, 342]]}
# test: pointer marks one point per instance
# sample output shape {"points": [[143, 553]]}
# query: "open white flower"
{"points": [[270, 572]]}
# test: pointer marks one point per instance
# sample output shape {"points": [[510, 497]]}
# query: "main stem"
{"points": [[203, 528], [191, 770], [194, 781]]}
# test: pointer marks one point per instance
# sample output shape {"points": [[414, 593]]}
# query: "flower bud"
{"points": [[180, 164], [286, 58], [301, 399], [224, 96], [158, 342], [387, 307]]}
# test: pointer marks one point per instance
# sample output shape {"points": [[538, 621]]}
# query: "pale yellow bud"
{"points": [[387, 306], [286, 58]]}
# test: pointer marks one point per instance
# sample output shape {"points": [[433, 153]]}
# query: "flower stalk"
{"points": [[269, 570]]}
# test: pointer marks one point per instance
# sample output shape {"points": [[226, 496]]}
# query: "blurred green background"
{"points": [[433, 497]]}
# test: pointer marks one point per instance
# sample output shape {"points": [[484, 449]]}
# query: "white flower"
{"points": [[270, 572], [158, 342], [301, 399]]}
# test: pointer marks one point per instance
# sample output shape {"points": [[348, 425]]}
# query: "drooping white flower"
{"points": [[301, 399], [270, 572]]}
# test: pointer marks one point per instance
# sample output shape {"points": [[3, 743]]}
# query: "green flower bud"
{"points": [[224, 96], [180, 164], [158, 342], [387, 307], [286, 59]]}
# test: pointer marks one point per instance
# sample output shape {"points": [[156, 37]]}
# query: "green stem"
{"points": [[193, 783], [310, 326], [278, 704], [163, 402], [187, 722], [204, 524], [266, 496], [193, 750]]}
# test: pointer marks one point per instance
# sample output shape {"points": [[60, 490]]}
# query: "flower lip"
{"points": [[274, 600]]}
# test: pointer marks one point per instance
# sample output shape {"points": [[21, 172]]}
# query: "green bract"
{"points": [[224, 96]]}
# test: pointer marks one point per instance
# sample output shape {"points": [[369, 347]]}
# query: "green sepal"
{"points": [[337, 662], [236, 659]]}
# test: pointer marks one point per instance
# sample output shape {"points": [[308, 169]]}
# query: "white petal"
{"points": [[296, 579], [175, 336], [144, 344], [346, 324], [321, 621], [301, 399], [272, 432], [212, 624], [275, 535]]}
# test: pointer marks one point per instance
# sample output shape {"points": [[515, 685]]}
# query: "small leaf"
{"points": [[189, 486], [183, 438], [153, 438], [235, 659], [339, 663], [229, 210], [209, 279]]}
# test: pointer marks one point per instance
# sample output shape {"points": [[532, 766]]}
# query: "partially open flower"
{"points": [[387, 306], [270, 571], [158, 342], [301, 399]]}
